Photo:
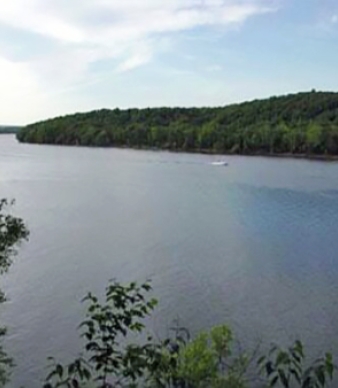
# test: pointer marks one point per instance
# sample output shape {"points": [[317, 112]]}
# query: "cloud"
{"points": [[30, 15], [20, 91], [15, 78], [334, 19], [113, 27], [127, 33], [141, 56]]}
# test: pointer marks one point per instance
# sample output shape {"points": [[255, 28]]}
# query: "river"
{"points": [[253, 244]]}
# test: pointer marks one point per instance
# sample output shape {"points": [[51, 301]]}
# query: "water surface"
{"points": [[253, 244]]}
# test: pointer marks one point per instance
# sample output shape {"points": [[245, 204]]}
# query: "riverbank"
{"points": [[288, 155]]}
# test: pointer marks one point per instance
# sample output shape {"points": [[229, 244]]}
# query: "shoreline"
{"points": [[314, 157]]}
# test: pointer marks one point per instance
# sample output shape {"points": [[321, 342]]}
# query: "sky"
{"points": [[65, 56]]}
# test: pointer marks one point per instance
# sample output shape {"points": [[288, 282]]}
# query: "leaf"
{"points": [[87, 374], [307, 382], [146, 286], [75, 383], [261, 360], [282, 358], [283, 378], [320, 376], [274, 381], [296, 375], [269, 368], [71, 369], [329, 364], [59, 370], [298, 347], [51, 374], [296, 356]]}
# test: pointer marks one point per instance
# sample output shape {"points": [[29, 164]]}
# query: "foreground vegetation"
{"points": [[12, 232], [118, 353], [207, 361], [303, 123]]}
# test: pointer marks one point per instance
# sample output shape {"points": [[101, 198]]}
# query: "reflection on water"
{"points": [[253, 244]]}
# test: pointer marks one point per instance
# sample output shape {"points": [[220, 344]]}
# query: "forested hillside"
{"points": [[303, 123]]}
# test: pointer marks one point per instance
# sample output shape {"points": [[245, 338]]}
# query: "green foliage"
{"points": [[285, 368], [197, 362], [314, 137], [303, 123], [206, 361], [221, 337], [12, 232], [109, 359], [6, 362]]}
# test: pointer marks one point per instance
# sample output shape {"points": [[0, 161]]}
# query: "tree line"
{"points": [[303, 123]]}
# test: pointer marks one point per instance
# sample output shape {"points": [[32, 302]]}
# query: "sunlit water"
{"points": [[253, 244]]}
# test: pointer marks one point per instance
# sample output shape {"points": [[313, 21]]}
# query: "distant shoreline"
{"points": [[302, 125], [313, 157]]}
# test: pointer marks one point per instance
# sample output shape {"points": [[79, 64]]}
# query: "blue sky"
{"points": [[64, 56]]}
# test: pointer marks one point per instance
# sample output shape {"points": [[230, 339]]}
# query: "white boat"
{"points": [[219, 163]]}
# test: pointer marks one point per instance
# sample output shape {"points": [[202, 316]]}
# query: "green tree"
{"points": [[12, 232], [295, 123], [286, 368], [207, 361], [314, 137], [110, 360]]}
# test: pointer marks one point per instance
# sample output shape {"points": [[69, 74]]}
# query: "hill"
{"points": [[303, 123]]}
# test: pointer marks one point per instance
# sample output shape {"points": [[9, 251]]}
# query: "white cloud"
{"points": [[20, 91], [15, 77], [127, 32], [334, 19], [29, 15], [141, 56], [106, 24]]}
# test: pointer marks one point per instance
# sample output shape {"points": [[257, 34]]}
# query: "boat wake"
{"points": [[219, 163]]}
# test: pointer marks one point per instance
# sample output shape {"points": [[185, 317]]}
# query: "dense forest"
{"points": [[303, 123], [9, 129]]}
